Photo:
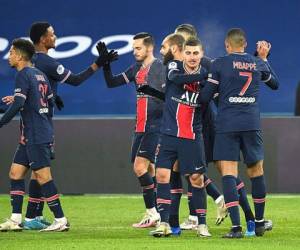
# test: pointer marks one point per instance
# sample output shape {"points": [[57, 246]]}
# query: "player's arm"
{"points": [[178, 78], [103, 58], [268, 75], [12, 110], [20, 96], [113, 81], [206, 62], [148, 90], [208, 92]]}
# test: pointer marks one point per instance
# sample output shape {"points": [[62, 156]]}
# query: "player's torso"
{"points": [[238, 105], [36, 123], [182, 113], [44, 62], [149, 109]]}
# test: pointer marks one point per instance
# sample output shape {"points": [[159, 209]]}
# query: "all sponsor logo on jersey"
{"points": [[241, 99]]}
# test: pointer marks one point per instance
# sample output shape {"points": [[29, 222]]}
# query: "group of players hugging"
{"points": [[191, 110]]}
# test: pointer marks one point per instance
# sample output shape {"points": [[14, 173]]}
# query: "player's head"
{"points": [[143, 46], [192, 52], [171, 45], [20, 51], [42, 33], [186, 30], [235, 40]]}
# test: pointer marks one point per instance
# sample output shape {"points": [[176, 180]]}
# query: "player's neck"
{"points": [[178, 56], [191, 70], [237, 50], [41, 48], [23, 64], [148, 60]]}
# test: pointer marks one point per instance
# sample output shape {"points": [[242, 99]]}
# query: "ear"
{"points": [[245, 46]]}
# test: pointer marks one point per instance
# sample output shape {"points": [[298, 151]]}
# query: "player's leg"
{"points": [[40, 156], [244, 204], [253, 155], [166, 157], [145, 155], [34, 214], [192, 162], [17, 191], [17, 173], [227, 152], [191, 223], [176, 193]]}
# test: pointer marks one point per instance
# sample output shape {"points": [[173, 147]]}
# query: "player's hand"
{"points": [[263, 49], [107, 58], [8, 99], [101, 48], [59, 103]]}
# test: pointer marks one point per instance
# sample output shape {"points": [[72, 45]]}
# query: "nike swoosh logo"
{"points": [[141, 151]]}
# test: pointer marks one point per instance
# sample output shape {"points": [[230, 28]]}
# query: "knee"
{"points": [[139, 169], [255, 170], [197, 180], [163, 175], [15, 175], [43, 178]]}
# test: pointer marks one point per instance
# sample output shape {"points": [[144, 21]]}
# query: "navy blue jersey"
{"points": [[36, 120], [54, 70], [182, 113], [148, 109], [237, 77]]}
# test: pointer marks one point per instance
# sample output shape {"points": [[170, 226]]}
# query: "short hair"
{"points": [[193, 41], [236, 37], [37, 30], [187, 28], [25, 47], [176, 39], [148, 39]]}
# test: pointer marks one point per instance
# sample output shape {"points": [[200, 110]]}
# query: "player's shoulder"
{"points": [[175, 65]]}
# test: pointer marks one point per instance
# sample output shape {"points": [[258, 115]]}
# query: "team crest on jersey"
{"points": [[60, 69], [173, 65]]}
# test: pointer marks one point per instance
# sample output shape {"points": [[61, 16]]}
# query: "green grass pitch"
{"points": [[104, 222]]}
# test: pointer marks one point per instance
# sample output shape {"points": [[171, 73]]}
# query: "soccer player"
{"points": [[33, 98], [209, 113], [150, 71], [181, 137], [236, 77]]}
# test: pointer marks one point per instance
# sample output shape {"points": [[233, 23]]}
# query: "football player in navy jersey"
{"points": [[147, 70], [237, 77], [181, 127], [33, 98], [209, 113]]}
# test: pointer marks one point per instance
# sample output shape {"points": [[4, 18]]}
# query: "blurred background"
{"points": [[102, 118]]}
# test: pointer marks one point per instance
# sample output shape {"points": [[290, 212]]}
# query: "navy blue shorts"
{"points": [[144, 145], [189, 153], [229, 145], [209, 130], [35, 156]]}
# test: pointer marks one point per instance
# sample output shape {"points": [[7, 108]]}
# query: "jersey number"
{"points": [[248, 82], [43, 88]]}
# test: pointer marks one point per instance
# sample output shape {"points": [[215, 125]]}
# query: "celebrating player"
{"points": [[33, 98], [150, 71]]}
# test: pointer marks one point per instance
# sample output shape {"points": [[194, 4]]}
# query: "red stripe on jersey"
{"points": [[141, 75], [185, 118], [141, 114]]}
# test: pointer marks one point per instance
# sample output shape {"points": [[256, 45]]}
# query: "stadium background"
{"points": [[93, 131]]}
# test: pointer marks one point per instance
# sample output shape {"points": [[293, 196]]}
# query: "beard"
{"points": [[168, 57]]}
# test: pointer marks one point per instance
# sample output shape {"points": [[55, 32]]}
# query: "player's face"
{"points": [[49, 38], [192, 56], [14, 57], [140, 51], [165, 51]]}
